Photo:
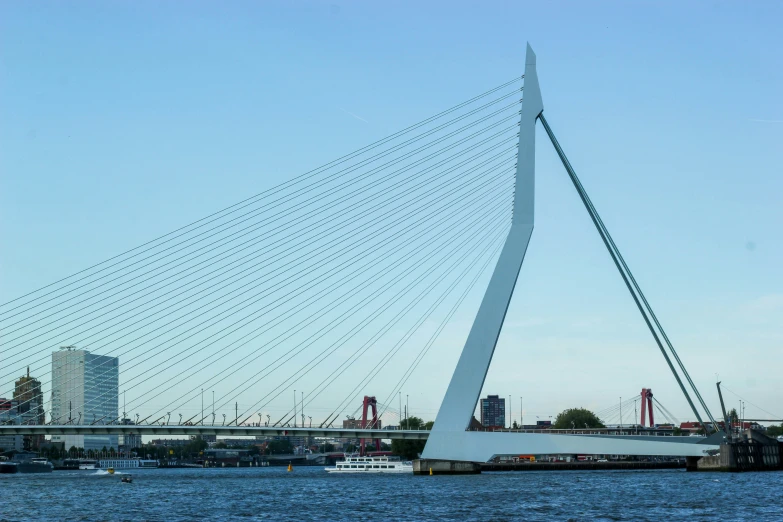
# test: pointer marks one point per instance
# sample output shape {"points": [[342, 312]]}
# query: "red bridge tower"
{"points": [[647, 405], [369, 402]]}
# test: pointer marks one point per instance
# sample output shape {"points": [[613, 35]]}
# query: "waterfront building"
{"points": [[493, 412], [170, 443], [128, 441], [9, 415], [85, 390], [355, 424], [29, 400]]}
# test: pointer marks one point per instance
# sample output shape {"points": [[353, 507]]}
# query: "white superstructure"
{"points": [[126, 463], [84, 391], [356, 464], [87, 464]]}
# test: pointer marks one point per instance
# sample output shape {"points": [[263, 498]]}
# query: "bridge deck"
{"points": [[223, 431]]}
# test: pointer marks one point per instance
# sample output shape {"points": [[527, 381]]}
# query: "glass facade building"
{"points": [[85, 390]]}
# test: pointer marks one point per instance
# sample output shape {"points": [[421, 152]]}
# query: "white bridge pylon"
{"points": [[449, 439]]}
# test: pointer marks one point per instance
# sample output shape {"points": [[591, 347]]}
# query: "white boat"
{"points": [[357, 464], [87, 464], [36, 465], [126, 463]]}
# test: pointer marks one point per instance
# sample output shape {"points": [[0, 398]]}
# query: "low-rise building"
{"points": [[9, 415], [128, 441]]}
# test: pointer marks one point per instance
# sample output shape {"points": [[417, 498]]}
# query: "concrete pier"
{"points": [[754, 451], [579, 466], [445, 467]]}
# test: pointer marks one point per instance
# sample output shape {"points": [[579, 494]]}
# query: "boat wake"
{"points": [[103, 473]]}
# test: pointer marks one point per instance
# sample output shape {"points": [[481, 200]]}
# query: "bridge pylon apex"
{"points": [[467, 381]]}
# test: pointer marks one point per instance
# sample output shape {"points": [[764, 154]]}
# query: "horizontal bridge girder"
{"points": [[223, 431], [470, 445]]}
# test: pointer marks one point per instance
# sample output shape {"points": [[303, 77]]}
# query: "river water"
{"points": [[311, 494]]}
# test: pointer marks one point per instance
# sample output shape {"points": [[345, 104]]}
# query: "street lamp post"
{"points": [[400, 398], [636, 425]]}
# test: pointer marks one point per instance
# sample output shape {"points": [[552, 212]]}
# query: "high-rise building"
{"points": [[29, 400], [85, 390], [493, 412]]}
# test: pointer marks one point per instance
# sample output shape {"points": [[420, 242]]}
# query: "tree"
{"points": [[515, 426], [577, 418], [775, 431], [195, 446], [733, 417], [410, 449], [413, 423], [279, 447], [221, 445], [253, 450]]}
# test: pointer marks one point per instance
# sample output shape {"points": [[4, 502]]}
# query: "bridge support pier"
{"points": [[445, 467]]}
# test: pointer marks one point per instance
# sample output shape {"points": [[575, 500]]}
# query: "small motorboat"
{"points": [[111, 471], [127, 479]]}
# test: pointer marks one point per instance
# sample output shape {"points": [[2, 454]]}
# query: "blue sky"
{"points": [[120, 121]]}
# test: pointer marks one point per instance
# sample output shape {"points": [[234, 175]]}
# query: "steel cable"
{"points": [[144, 353], [295, 180]]}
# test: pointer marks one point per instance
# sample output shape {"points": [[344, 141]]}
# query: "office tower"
{"points": [[85, 390]]}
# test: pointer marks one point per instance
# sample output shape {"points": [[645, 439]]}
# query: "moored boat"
{"points": [[126, 463], [6, 466], [87, 464], [358, 464], [36, 465]]}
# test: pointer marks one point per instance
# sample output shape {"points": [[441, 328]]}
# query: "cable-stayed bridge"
{"points": [[327, 284]]}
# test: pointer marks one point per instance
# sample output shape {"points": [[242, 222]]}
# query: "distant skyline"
{"points": [[121, 122]]}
